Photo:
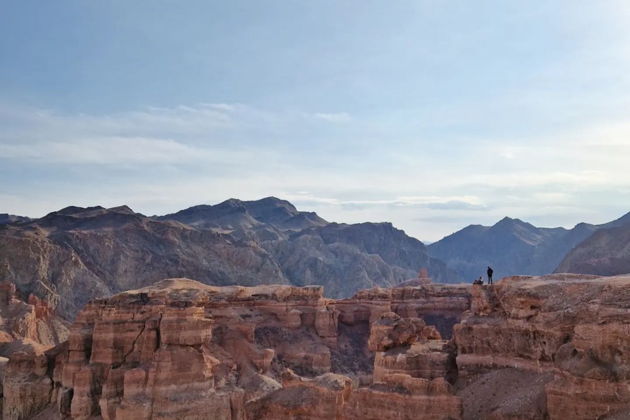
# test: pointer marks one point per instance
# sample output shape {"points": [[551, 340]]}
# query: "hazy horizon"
{"points": [[431, 116]]}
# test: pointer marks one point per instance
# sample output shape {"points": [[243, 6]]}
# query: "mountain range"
{"points": [[514, 247], [76, 254]]}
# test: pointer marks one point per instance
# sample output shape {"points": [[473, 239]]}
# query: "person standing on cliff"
{"points": [[490, 271]]}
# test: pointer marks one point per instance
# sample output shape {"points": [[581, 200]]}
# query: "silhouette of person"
{"points": [[490, 271]]}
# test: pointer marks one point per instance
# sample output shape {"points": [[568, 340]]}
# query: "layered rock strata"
{"points": [[552, 347], [181, 349], [27, 324], [569, 334]]}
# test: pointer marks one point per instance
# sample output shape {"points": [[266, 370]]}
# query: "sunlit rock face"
{"points": [[552, 347]]}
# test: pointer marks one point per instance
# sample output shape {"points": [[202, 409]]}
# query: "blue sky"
{"points": [[429, 114]]}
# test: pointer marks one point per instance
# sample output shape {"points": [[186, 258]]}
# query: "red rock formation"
{"points": [[181, 349], [30, 323], [527, 348], [422, 279]]}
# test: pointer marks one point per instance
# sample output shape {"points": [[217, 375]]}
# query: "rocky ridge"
{"points": [[27, 324]]}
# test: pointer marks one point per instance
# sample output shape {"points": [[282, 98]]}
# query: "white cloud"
{"points": [[339, 117], [105, 150]]}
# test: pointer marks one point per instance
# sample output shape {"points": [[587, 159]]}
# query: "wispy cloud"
{"points": [[163, 159], [339, 117], [105, 150]]}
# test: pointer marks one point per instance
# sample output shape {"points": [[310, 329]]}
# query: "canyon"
{"points": [[550, 347]]}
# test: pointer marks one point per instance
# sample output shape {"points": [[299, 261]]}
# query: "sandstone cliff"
{"points": [[27, 324], [27, 328], [181, 349]]}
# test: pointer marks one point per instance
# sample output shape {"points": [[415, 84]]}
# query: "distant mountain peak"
{"points": [[273, 199], [272, 202], [76, 210], [511, 221], [232, 202], [508, 224], [267, 213], [121, 209]]}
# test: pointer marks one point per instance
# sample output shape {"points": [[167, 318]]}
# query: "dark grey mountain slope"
{"points": [[309, 250], [606, 252], [366, 255]]}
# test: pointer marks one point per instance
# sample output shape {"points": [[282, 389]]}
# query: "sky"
{"points": [[428, 114]]}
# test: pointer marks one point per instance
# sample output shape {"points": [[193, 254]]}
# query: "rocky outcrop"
{"points": [[181, 349], [27, 330], [565, 336], [27, 326]]}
